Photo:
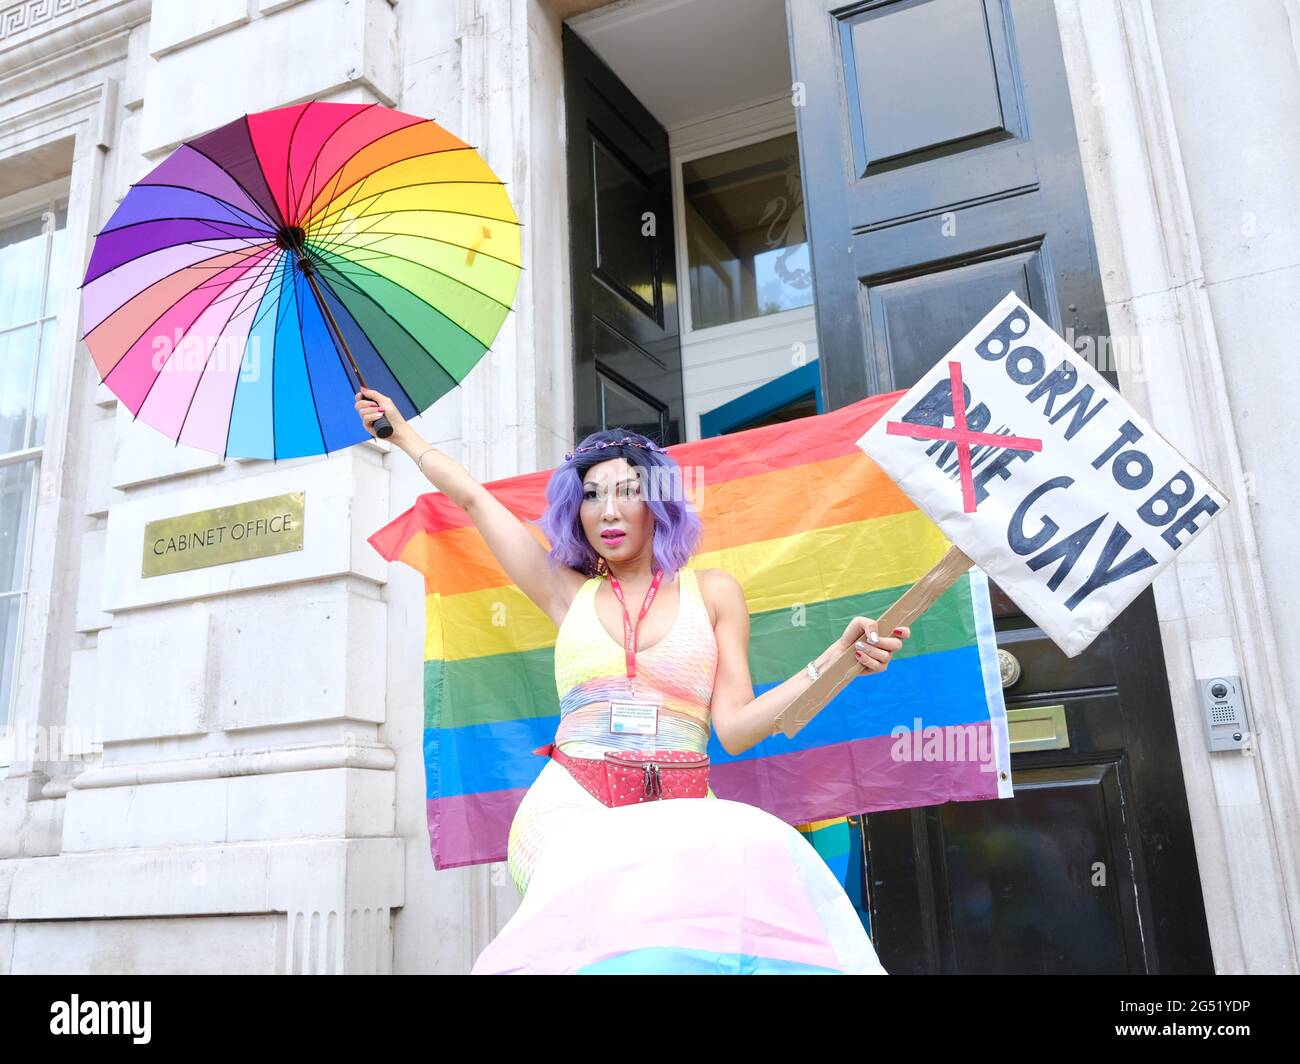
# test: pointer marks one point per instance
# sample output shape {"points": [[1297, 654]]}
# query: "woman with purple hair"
{"points": [[631, 883]]}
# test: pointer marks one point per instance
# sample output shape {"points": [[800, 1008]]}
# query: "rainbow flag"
{"points": [[838, 842], [816, 534]]}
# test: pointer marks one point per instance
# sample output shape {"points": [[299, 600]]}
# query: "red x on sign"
{"points": [[962, 437]]}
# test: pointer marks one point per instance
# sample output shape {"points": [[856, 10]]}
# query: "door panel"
{"points": [[960, 94], [941, 170], [912, 317], [1020, 884]]}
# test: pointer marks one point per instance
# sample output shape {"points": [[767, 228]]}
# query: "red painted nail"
{"points": [[898, 631]]}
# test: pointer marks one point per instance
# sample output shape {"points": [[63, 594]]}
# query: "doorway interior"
{"points": [[745, 300]]}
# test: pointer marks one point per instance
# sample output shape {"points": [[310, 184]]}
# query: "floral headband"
{"points": [[569, 456]]}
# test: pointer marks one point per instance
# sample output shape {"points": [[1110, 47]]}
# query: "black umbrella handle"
{"points": [[382, 426]]}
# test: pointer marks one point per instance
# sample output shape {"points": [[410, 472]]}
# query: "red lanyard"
{"points": [[629, 633]]}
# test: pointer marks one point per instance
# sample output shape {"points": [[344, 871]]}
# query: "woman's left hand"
{"points": [[872, 657]]}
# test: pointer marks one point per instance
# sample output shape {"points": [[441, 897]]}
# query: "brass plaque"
{"points": [[1037, 728], [227, 534]]}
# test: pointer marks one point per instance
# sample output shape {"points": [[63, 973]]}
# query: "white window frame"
{"points": [[40, 201]]}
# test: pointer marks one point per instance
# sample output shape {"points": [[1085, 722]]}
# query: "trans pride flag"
{"points": [[816, 534]]}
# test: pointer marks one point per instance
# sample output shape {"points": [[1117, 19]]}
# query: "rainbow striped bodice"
{"points": [[678, 672]]}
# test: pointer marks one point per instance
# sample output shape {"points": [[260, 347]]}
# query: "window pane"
{"points": [[49, 329], [15, 512], [804, 406], [58, 261], [17, 357], [745, 239], [22, 265], [8, 643]]}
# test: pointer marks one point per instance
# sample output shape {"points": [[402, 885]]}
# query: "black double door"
{"points": [[940, 170]]}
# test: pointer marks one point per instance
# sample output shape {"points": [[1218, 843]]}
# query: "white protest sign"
{"points": [[1045, 477]]}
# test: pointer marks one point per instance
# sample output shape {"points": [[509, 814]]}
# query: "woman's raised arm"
{"points": [[521, 555]]}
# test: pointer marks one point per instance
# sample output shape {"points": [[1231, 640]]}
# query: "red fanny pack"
{"points": [[627, 777]]}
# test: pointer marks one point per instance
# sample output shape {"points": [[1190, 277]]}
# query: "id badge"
{"points": [[633, 717]]}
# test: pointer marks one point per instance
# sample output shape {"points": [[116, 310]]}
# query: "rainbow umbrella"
{"points": [[252, 283]]}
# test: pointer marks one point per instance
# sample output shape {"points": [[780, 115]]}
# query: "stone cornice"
{"points": [[53, 34], [309, 758]]}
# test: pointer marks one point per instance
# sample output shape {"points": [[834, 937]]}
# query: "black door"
{"points": [[941, 170], [627, 359]]}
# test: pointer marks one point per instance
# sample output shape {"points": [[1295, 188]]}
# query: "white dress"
{"points": [[687, 885]]}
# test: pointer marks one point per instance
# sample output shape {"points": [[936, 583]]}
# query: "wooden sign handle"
{"points": [[910, 605]]}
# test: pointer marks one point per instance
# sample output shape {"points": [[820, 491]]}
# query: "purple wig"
{"points": [[677, 527]]}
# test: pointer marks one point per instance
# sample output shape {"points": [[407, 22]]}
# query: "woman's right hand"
{"points": [[371, 405], [872, 650]]}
